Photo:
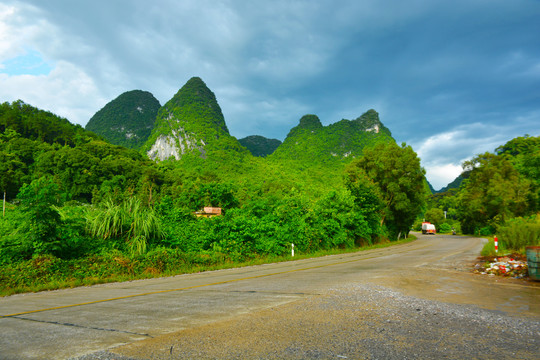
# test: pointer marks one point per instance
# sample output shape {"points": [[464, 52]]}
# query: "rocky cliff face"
{"points": [[176, 144]]}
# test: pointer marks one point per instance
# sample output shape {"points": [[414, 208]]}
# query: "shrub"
{"points": [[445, 228], [485, 231], [517, 233], [489, 249]]}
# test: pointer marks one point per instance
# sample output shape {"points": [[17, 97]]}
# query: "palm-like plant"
{"points": [[129, 220]]}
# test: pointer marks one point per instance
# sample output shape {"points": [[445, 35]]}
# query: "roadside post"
{"points": [[292, 250], [496, 244]]}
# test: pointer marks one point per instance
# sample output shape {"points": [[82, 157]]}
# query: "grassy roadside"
{"points": [[49, 273]]}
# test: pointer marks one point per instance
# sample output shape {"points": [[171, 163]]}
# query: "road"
{"points": [[417, 300]]}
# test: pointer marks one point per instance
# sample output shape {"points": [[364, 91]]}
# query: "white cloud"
{"points": [[66, 91], [441, 175]]}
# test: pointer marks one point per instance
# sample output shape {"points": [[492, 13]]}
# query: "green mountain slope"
{"points": [[259, 145], [126, 120], [191, 123], [312, 143]]}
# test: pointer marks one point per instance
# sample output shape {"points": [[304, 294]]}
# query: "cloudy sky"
{"points": [[450, 78]]}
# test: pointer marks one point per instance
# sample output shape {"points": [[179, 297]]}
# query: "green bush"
{"points": [[445, 228], [517, 233], [485, 231]]}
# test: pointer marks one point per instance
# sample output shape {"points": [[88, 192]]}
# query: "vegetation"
{"points": [[399, 182]]}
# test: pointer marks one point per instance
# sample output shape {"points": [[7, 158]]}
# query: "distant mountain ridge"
{"points": [[127, 120], [342, 141], [259, 145], [455, 184]]}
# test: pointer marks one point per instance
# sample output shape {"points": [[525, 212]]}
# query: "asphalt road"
{"points": [[417, 300]]}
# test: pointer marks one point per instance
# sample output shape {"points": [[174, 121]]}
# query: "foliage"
{"points": [[489, 248], [524, 154], [396, 172], [493, 193], [126, 120], [37, 204], [367, 199], [130, 221], [435, 216], [445, 228], [35, 124], [518, 233]]}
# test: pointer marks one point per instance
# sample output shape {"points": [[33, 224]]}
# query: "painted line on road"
{"points": [[191, 287]]}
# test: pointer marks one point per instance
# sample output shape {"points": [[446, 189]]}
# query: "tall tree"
{"points": [[494, 192], [396, 172]]}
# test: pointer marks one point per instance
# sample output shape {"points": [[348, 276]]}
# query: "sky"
{"points": [[453, 79]]}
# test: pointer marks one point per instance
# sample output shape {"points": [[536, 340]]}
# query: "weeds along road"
{"points": [[417, 300]]}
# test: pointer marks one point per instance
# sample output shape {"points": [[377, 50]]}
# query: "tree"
{"points": [[435, 216], [367, 200], [12, 170], [396, 172], [38, 200], [493, 193]]}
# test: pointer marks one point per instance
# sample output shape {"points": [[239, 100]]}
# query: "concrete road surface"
{"points": [[418, 300]]}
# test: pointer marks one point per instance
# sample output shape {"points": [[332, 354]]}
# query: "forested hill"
{"points": [[191, 123], [35, 143], [126, 120], [312, 143]]}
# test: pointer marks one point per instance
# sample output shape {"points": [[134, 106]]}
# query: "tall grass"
{"points": [[518, 233]]}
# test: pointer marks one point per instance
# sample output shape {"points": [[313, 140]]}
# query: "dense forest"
{"points": [[80, 209]]}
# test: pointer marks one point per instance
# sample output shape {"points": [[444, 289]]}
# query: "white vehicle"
{"points": [[428, 228]]}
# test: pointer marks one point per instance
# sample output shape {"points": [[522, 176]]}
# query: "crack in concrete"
{"points": [[81, 326]]}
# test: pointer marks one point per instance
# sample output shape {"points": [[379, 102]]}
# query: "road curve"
{"points": [[171, 317]]}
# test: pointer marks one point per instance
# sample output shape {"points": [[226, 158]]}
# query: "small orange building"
{"points": [[208, 211]]}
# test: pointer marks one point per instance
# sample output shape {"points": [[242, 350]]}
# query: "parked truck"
{"points": [[428, 228]]}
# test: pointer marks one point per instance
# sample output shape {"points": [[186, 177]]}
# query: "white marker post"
{"points": [[292, 250], [496, 244]]}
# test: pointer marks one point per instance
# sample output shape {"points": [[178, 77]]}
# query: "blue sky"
{"points": [[450, 78]]}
